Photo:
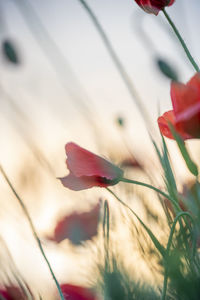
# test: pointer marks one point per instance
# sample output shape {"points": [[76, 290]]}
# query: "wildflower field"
{"points": [[99, 169]]}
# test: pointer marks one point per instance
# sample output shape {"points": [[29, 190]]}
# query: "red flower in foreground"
{"points": [[77, 227], [88, 170], [73, 292], [185, 116], [12, 293], [154, 6]]}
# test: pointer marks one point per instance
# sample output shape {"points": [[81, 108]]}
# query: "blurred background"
{"points": [[59, 83]]}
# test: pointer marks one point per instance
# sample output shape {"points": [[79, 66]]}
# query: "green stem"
{"points": [[106, 222], [152, 188], [33, 230], [187, 52], [157, 244], [180, 215], [106, 231], [119, 65]]}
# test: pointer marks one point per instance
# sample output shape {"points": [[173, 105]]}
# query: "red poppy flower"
{"points": [[153, 6], [88, 170], [131, 162], [12, 293], [185, 116], [78, 227], [73, 292]]}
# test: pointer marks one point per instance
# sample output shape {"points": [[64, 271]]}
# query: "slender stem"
{"points": [[157, 244], [152, 188], [106, 222], [120, 67], [187, 52], [59, 63], [33, 229], [106, 231], [180, 215]]}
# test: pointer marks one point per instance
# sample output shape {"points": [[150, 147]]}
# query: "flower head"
{"points": [[74, 292], [154, 6], [185, 116], [88, 170], [12, 293], [77, 227]]}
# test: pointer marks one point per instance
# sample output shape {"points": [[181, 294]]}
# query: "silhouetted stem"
{"points": [[33, 230], [187, 52], [120, 67], [106, 231], [152, 188]]}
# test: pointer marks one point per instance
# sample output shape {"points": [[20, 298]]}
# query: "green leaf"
{"points": [[168, 172]]}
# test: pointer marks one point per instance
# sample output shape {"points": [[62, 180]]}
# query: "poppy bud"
{"points": [[9, 52], [166, 69], [154, 6]]}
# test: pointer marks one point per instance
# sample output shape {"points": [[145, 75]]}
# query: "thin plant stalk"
{"points": [[33, 230], [157, 244], [106, 222], [26, 130], [60, 64], [106, 231], [152, 188], [183, 44], [176, 205], [180, 215], [120, 67]]}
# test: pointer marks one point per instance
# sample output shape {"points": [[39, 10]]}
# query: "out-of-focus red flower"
{"points": [[73, 292], [154, 6], [77, 227], [169, 206], [188, 201], [188, 194], [185, 116], [88, 170], [12, 293], [131, 163]]}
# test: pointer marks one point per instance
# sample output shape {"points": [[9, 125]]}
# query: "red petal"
{"points": [[183, 96], [82, 162], [153, 6], [84, 182], [186, 104], [163, 123], [73, 292], [171, 2], [147, 6], [164, 120], [5, 295], [12, 293], [195, 82], [78, 227]]}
